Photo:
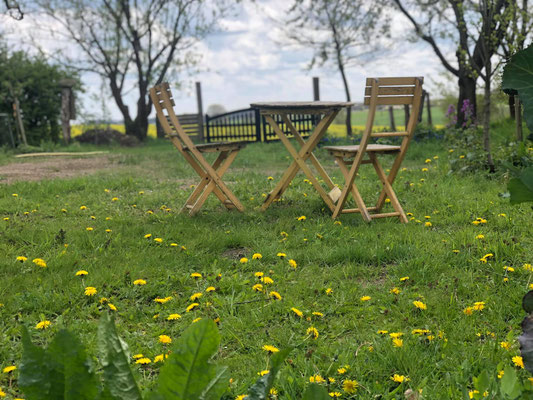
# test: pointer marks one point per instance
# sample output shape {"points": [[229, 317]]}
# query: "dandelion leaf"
{"points": [[187, 373], [260, 390], [510, 385], [61, 372], [316, 392], [114, 358], [521, 188], [518, 77]]}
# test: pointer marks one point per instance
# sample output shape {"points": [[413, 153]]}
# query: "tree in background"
{"points": [[13, 9], [36, 85], [340, 33], [464, 23], [133, 44]]}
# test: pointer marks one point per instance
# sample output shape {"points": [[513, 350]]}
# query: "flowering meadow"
{"points": [[373, 310]]}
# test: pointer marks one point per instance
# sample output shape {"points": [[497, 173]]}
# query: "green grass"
{"points": [[354, 259]]}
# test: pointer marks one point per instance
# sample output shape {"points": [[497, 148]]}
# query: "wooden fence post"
{"points": [[428, 104], [200, 111], [391, 117], [316, 89], [68, 108], [518, 119]]}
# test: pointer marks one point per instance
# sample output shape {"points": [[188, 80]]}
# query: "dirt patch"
{"points": [[236, 254], [52, 169]]}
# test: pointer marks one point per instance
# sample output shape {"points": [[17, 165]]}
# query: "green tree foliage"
{"points": [[35, 83]]}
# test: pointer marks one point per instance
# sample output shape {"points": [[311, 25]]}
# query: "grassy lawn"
{"points": [[351, 281]]}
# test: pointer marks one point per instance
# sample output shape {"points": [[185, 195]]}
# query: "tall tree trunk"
{"points": [[486, 116], [467, 91], [348, 99]]}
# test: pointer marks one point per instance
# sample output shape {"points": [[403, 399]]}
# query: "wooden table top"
{"points": [[301, 106]]}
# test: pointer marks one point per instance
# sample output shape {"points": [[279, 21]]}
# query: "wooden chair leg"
{"points": [[212, 185], [355, 192], [203, 183], [387, 188]]}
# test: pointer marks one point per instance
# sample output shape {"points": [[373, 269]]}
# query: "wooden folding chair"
{"points": [[211, 175], [378, 91]]}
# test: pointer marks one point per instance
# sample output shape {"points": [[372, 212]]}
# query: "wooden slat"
{"points": [[385, 215], [394, 100], [356, 210], [391, 81], [391, 90], [389, 134]]}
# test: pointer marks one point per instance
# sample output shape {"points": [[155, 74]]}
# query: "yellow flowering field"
{"points": [[374, 311]]}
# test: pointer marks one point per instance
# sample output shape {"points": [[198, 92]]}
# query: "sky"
{"points": [[246, 61]]}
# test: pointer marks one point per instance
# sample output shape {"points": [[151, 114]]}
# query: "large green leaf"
{"points": [[261, 388], [510, 385], [187, 373], [114, 358], [521, 188], [316, 392], [62, 372], [518, 75]]}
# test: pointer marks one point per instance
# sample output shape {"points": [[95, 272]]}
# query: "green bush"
{"points": [[35, 83]]}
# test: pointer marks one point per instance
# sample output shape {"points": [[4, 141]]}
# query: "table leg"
{"points": [[300, 158]]}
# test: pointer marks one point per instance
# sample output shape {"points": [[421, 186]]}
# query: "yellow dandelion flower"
{"points": [[139, 282], [22, 258], [341, 370], [297, 312], [395, 290], [397, 342], [192, 307], [329, 291], [382, 332], [114, 199], [428, 224], [163, 300], [263, 373], [313, 332], [292, 263], [420, 305], [112, 307], [480, 237], [505, 345], [270, 349], [43, 324], [365, 298], [500, 374], [196, 320], [165, 339], [317, 314], [350, 386], [196, 275], [90, 291], [518, 361], [158, 240], [399, 378], [143, 361], [83, 207], [82, 272], [243, 260], [316, 379], [196, 296], [395, 335], [210, 289], [403, 279], [159, 358], [89, 229], [9, 369], [479, 305], [335, 394], [148, 236], [173, 317], [257, 256], [257, 287], [267, 280], [275, 295], [39, 262], [302, 218], [508, 269]]}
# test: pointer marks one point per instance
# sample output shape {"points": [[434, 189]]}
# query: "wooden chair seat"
{"points": [[347, 151], [218, 147]]}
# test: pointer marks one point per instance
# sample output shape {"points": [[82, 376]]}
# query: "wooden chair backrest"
{"points": [[163, 101], [393, 91]]}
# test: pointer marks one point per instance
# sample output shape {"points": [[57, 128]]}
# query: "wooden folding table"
{"points": [[326, 112]]}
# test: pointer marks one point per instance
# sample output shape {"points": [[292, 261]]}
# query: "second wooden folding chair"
{"points": [[378, 91], [211, 175]]}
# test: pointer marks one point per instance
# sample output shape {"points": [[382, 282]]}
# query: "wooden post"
{"points": [[518, 119], [422, 101], [68, 109], [406, 111], [428, 104], [18, 120], [200, 111], [391, 117], [316, 89], [5, 117]]}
